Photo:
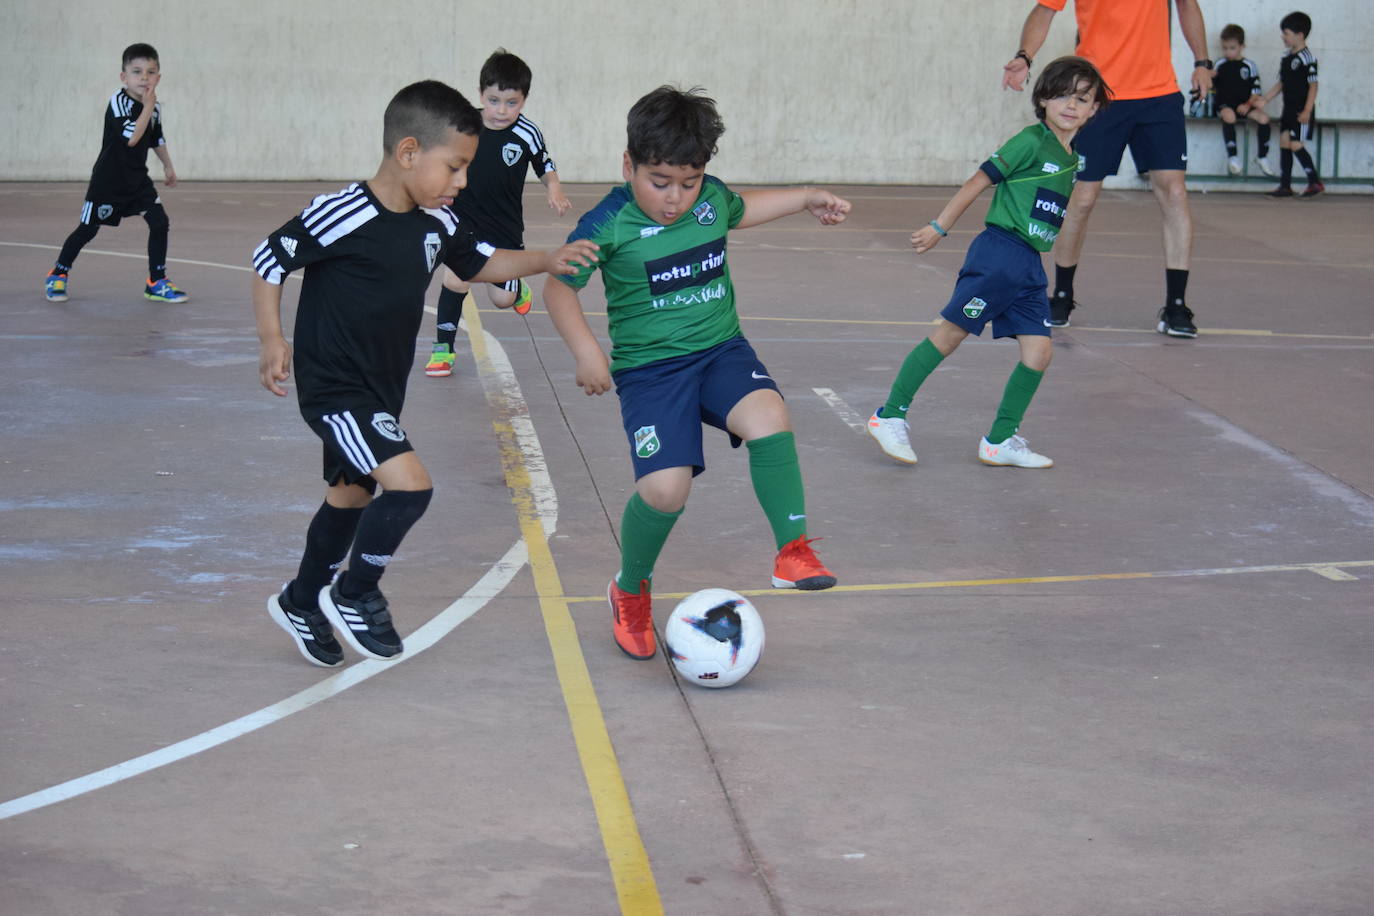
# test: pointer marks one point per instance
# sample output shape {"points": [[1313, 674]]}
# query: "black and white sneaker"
{"points": [[1176, 321], [364, 621], [1059, 311], [310, 629]]}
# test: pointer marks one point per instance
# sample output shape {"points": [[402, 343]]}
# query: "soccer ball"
{"points": [[714, 637]]}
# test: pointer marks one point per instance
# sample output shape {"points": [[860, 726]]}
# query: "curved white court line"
{"points": [[501, 388]]}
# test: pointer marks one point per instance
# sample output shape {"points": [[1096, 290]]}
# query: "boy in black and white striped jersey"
{"points": [[369, 252], [120, 185]]}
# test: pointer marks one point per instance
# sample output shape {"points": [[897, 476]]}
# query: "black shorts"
{"points": [[1288, 123], [110, 211], [356, 441]]}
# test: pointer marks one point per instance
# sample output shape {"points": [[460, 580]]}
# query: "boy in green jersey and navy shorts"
{"points": [[678, 357], [1002, 280]]}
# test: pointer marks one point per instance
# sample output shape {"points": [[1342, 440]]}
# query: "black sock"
{"points": [[158, 225], [1063, 282], [1175, 285], [450, 311], [1263, 139], [1285, 168], [381, 529], [326, 547], [73, 245], [1228, 135], [1305, 160]]}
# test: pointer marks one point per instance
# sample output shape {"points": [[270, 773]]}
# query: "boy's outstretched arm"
{"points": [[274, 353], [507, 264], [773, 203], [927, 237], [593, 372]]}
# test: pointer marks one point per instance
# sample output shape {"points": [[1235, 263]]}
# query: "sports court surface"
{"points": [[1138, 683]]}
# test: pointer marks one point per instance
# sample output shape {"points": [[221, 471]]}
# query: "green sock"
{"points": [[643, 531], [919, 363], [1016, 397], [777, 481]]}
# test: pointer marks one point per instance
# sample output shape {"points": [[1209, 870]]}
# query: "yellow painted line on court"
{"points": [[634, 879], [1329, 570]]}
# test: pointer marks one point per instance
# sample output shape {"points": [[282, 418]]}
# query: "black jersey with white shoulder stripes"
{"points": [[120, 170], [362, 299], [1297, 70], [492, 203], [1236, 81]]}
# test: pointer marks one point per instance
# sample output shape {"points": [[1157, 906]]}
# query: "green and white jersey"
{"points": [[1034, 177], [668, 289]]}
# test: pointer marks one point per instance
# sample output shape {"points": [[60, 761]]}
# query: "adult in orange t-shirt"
{"points": [[1128, 40]]}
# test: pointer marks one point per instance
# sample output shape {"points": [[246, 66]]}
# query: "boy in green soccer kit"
{"points": [[1003, 280], [678, 356]]}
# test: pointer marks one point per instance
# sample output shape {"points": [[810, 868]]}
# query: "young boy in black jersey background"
{"points": [[1298, 83], [1236, 89], [509, 145], [369, 252], [120, 185]]}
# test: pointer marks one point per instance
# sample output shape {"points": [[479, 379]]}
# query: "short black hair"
{"points": [[674, 126], [426, 110], [1297, 22], [136, 51], [1234, 33], [1062, 76], [505, 71]]}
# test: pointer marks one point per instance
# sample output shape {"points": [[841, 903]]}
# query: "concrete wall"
{"points": [[881, 91]]}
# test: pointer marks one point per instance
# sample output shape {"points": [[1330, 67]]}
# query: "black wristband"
{"points": [[1204, 63], [1024, 56]]}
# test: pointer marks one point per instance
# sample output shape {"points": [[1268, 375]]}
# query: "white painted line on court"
{"points": [[1334, 574], [501, 386], [848, 414]]}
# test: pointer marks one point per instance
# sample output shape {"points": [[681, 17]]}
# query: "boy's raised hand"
{"points": [[577, 253], [826, 207]]}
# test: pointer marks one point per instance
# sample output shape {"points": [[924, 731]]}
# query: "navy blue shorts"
{"points": [[663, 404], [1002, 281], [1152, 128]]}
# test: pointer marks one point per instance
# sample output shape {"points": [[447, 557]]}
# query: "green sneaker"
{"points": [[440, 363], [524, 300]]}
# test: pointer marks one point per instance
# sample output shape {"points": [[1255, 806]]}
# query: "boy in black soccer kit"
{"points": [[492, 204], [369, 252], [1236, 89], [120, 185], [1298, 83]]}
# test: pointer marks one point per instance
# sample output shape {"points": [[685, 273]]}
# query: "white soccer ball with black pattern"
{"points": [[714, 637]]}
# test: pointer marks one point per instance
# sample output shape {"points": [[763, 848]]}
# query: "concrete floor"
{"points": [[1138, 683]]}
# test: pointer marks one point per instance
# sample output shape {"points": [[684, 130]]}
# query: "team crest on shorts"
{"points": [[510, 153], [386, 424], [646, 442], [974, 307], [103, 211], [432, 245], [705, 213]]}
